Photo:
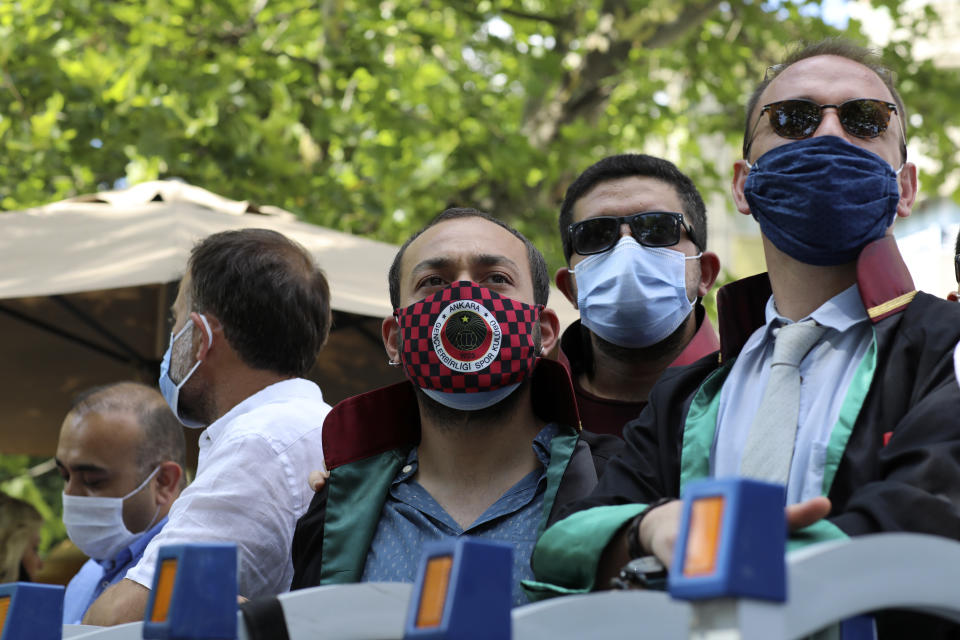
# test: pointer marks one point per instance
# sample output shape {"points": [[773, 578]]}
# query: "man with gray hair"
{"points": [[121, 457]]}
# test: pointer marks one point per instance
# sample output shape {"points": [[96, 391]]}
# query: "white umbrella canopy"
{"points": [[142, 235], [86, 285]]}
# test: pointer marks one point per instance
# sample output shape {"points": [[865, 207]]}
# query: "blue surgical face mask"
{"points": [[633, 296], [171, 389], [822, 200]]}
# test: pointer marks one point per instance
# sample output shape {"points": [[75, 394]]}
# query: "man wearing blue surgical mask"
{"points": [[634, 233], [121, 457], [835, 378], [251, 315]]}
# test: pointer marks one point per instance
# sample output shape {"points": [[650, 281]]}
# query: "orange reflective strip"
{"points": [[161, 599], [4, 608], [703, 538], [434, 593]]}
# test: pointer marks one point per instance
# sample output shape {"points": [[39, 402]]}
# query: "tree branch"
{"points": [[557, 21], [466, 8], [691, 16]]}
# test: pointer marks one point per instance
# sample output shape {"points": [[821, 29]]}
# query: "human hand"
{"points": [[803, 514], [658, 530], [318, 479]]}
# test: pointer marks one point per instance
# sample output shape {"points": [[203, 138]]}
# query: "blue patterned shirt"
{"points": [[411, 516]]}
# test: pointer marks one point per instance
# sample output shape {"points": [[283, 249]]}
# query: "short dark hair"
{"points": [[266, 291], [538, 266], [628, 165], [829, 47], [162, 433]]}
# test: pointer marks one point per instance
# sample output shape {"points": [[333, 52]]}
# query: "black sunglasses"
{"points": [[649, 228], [799, 118], [956, 267]]}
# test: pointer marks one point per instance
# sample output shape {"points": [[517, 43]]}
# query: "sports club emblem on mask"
{"points": [[466, 338]]}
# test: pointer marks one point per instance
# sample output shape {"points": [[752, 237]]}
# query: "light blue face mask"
{"points": [[471, 401], [633, 296], [170, 389]]}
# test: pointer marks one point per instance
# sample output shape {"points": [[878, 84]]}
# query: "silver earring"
{"points": [[393, 363]]}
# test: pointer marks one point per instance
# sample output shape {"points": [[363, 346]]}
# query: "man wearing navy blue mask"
{"points": [[634, 233], [858, 363]]}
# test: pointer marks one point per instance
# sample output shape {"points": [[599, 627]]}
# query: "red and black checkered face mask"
{"points": [[466, 343]]}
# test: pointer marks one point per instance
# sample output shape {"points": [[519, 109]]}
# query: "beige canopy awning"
{"points": [[143, 235]]}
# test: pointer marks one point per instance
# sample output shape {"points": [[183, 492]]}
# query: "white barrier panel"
{"points": [[827, 583], [74, 630], [830, 582], [345, 611], [616, 615], [132, 631]]}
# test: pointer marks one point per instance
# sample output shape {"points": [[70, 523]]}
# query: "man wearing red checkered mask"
{"points": [[482, 439]]}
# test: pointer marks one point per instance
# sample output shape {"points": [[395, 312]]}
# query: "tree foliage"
{"points": [[371, 117], [34, 480]]}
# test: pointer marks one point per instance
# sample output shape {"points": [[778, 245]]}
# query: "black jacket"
{"points": [[900, 470], [366, 440]]}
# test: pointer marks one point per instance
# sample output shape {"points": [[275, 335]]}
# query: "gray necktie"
{"points": [[769, 449]]}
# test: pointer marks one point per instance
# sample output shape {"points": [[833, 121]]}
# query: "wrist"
{"points": [[635, 546]]}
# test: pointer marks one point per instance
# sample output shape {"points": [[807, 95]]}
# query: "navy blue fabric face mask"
{"points": [[821, 200]]}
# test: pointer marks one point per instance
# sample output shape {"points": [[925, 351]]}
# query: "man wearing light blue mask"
{"points": [[859, 364], [121, 457], [634, 233]]}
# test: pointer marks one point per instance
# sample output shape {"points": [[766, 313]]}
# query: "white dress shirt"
{"points": [[251, 485]]}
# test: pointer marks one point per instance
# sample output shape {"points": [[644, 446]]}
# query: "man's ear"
{"points": [[168, 482], [205, 336], [549, 330], [566, 281], [391, 338], [908, 189], [740, 173], [709, 270]]}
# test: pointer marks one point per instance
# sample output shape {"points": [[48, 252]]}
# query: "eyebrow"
{"points": [[482, 260], [80, 467]]}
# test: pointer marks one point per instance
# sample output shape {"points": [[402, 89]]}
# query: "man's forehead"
{"points": [[183, 290], [629, 194], [115, 425], [107, 439], [826, 78], [463, 238]]}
